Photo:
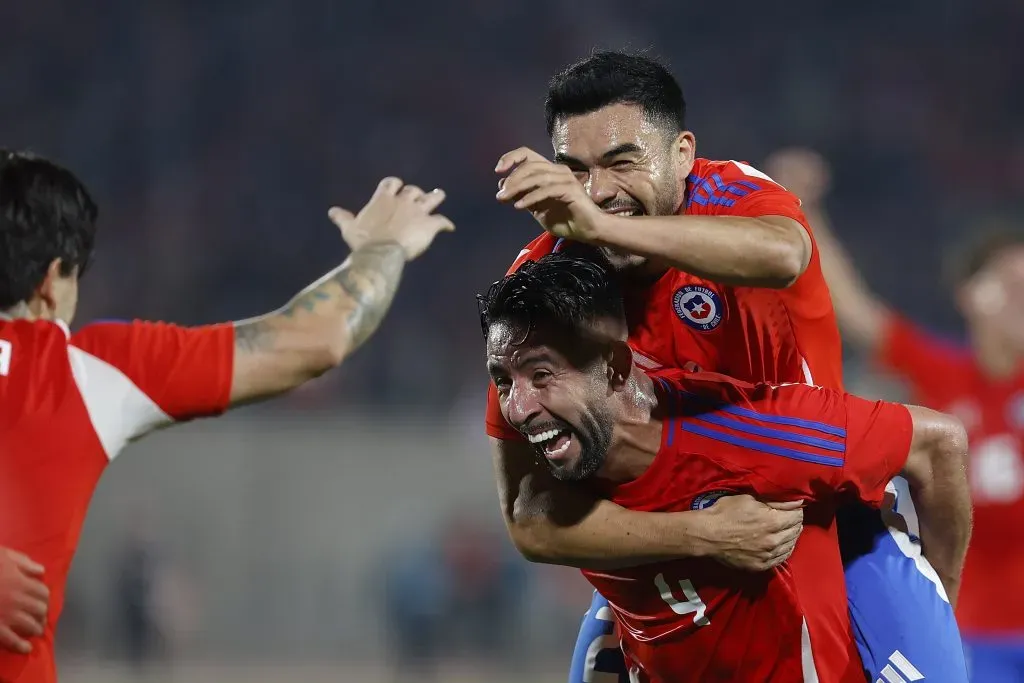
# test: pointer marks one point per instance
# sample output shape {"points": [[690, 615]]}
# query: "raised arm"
{"points": [[862, 316], [936, 470], [331, 318], [562, 523], [756, 249]]}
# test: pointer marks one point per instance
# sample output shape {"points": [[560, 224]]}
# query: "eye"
{"points": [[622, 164], [502, 384], [541, 376]]}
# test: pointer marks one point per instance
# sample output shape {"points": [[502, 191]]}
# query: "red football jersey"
{"points": [[698, 621], [753, 334], [68, 406], [948, 378]]}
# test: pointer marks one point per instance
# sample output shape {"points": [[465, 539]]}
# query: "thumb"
{"points": [[340, 216], [786, 505]]}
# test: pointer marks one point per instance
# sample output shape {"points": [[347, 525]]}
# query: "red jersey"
{"points": [[751, 333], [948, 378], [696, 620], [68, 405]]}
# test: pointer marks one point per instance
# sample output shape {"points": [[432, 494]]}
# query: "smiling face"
{"points": [[557, 389], [629, 163]]}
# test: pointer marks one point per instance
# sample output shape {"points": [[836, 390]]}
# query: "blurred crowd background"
{"points": [[353, 524]]}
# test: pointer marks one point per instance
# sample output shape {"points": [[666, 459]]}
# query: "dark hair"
{"points": [[607, 78], [559, 290], [45, 213], [971, 257]]}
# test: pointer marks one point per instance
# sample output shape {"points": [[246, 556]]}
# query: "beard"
{"points": [[594, 436]]}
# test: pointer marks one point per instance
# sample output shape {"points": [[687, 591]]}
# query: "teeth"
{"points": [[560, 449], [543, 436]]}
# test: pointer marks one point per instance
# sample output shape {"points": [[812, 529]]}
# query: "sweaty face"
{"points": [[629, 165], [559, 400]]}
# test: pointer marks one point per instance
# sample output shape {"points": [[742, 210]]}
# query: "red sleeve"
{"points": [[185, 371], [928, 363], [496, 424], [878, 436]]}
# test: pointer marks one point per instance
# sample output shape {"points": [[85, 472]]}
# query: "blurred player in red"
{"points": [[982, 384], [721, 274], [69, 403], [565, 376]]}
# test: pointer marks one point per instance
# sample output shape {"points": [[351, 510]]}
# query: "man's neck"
{"points": [[20, 311], [636, 437], [996, 357]]}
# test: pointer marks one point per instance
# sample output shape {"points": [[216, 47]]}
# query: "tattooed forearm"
{"points": [[367, 283]]}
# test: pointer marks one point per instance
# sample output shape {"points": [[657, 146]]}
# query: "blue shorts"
{"points": [[995, 659], [903, 623]]}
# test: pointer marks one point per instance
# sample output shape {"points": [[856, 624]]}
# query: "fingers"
{"points": [[529, 177], [510, 160], [411, 192], [444, 224], [541, 195], [26, 626], [9, 640], [388, 187], [340, 216], [25, 563], [431, 200]]}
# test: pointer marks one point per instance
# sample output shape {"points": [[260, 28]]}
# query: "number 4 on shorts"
{"points": [[693, 605]]}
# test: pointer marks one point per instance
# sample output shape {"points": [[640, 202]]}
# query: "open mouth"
{"points": [[626, 211], [553, 443]]}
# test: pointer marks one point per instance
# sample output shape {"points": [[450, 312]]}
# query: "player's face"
{"points": [[557, 394], [992, 302], [628, 164]]}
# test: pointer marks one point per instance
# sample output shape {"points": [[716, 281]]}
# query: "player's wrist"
{"points": [[692, 537]]}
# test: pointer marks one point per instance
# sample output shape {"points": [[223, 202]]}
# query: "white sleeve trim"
{"points": [[119, 410]]}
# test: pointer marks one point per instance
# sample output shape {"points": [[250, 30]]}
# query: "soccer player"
{"points": [[24, 599], [721, 273], [557, 354], [69, 403], [983, 384]]}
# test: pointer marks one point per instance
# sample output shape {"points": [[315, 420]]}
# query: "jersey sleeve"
{"points": [[154, 373], [818, 442], [863, 444], [878, 436], [926, 362]]}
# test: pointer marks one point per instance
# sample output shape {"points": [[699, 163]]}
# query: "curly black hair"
{"points": [[559, 290]]}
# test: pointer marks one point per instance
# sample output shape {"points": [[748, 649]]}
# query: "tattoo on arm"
{"points": [[360, 290]]}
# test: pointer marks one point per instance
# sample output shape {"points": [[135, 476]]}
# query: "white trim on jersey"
{"points": [[808, 377], [118, 409], [810, 672], [906, 518]]}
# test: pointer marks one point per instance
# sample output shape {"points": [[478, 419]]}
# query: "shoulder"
{"points": [[718, 186], [538, 248]]}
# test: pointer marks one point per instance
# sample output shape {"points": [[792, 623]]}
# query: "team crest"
{"points": [[706, 500], [698, 307]]}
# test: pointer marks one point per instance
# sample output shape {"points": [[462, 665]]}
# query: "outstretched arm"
{"points": [[561, 523], [327, 321], [318, 328]]}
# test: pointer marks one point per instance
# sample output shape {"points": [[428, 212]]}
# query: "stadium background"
{"points": [[350, 530]]}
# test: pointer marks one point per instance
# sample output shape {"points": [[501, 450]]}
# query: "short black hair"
{"points": [[45, 213], [559, 290], [973, 255], [607, 78]]}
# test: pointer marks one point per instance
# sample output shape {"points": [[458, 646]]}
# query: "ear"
{"points": [[686, 148], [620, 365], [47, 290]]}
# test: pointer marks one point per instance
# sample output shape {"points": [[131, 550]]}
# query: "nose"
{"points": [[523, 404], [600, 186]]}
